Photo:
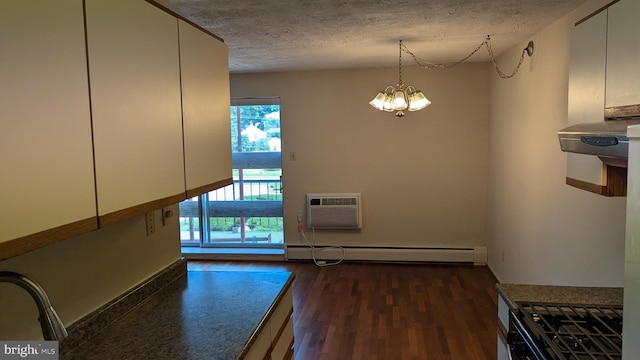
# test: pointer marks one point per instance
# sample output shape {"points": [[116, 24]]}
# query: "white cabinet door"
{"points": [[503, 326], [587, 90], [631, 315], [281, 325], [45, 129], [623, 54], [503, 349], [135, 97], [205, 105]]}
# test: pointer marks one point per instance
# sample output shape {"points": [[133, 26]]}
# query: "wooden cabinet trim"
{"points": [[25, 244], [289, 354], [282, 342], [595, 13], [259, 347], [267, 356], [616, 183], [138, 210], [173, 13], [283, 326], [587, 186], [210, 187], [502, 331]]}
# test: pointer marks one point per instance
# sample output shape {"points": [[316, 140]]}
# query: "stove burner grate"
{"points": [[575, 332]]}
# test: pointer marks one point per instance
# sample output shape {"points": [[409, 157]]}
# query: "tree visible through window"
{"points": [[259, 127]]}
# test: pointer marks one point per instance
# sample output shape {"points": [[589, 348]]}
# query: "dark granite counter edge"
{"points": [[90, 325], [560, 294], [266, 318]]}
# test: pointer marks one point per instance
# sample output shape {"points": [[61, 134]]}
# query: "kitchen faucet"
{"points": [[52, 326]]}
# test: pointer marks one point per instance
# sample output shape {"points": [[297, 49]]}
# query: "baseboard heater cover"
{"points": [[474, 255]]}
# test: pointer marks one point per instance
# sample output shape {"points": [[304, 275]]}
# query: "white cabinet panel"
{"points": [[260, 347], [503, 349], [503, 323], [135, 98], [277, 334], [623, 54], [587, 90], [45, 130], [282, 347], [205, 105], [281, 325], [631, 320]]}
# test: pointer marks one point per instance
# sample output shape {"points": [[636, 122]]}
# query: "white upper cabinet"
{"points": [[623, 54], [587, 90], [205, 105], [91, 109], [45, 129], [587, 64], [134, 74]]}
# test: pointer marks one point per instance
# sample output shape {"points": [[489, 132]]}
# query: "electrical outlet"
{"points": [[151, 223], [299, 218]]}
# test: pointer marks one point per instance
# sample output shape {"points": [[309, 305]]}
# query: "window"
{"points": [[247, 213]]}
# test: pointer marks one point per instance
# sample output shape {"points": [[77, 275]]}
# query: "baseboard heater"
{"points": [[474, 255]]}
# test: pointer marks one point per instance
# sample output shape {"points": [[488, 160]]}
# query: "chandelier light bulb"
{"points": [[399, 100], [378, 101]]}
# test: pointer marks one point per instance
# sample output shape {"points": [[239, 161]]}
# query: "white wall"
{"points": [[548, 232], [85, 272], [423, 177]]}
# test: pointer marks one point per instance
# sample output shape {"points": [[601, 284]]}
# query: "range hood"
{"points": [[606, 139]]}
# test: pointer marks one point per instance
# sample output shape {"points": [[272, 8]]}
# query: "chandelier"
{"points": [[400, 98]]}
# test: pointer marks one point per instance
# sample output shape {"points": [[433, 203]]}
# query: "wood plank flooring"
{"points": [[362, 310]]}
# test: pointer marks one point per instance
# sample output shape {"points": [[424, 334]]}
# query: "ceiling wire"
{"points": [[425, 64]]}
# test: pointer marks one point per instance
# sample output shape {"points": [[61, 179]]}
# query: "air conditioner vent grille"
{"points": [[340, 201]]}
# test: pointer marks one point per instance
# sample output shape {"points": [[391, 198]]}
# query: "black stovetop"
{"points": [[574, 332]]}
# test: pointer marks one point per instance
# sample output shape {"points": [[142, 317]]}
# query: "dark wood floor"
{"points": [[388, 311]]}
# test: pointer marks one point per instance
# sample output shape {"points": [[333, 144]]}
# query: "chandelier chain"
{"points": [[495, 66], [425, 64], [400, 65]]}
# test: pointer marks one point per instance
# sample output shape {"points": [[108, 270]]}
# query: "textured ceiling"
{"points": [[284, 35]]}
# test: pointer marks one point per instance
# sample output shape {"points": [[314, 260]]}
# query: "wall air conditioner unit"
{"points": [[334, 211]]}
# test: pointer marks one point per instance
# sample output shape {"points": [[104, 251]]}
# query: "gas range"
{"points": [[544, 331]]}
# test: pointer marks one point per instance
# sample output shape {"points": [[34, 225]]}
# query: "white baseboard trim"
{"points": [[474, 255]]}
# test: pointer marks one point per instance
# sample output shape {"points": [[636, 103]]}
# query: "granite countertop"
{"points": [[560, 294], [203, 315]]}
